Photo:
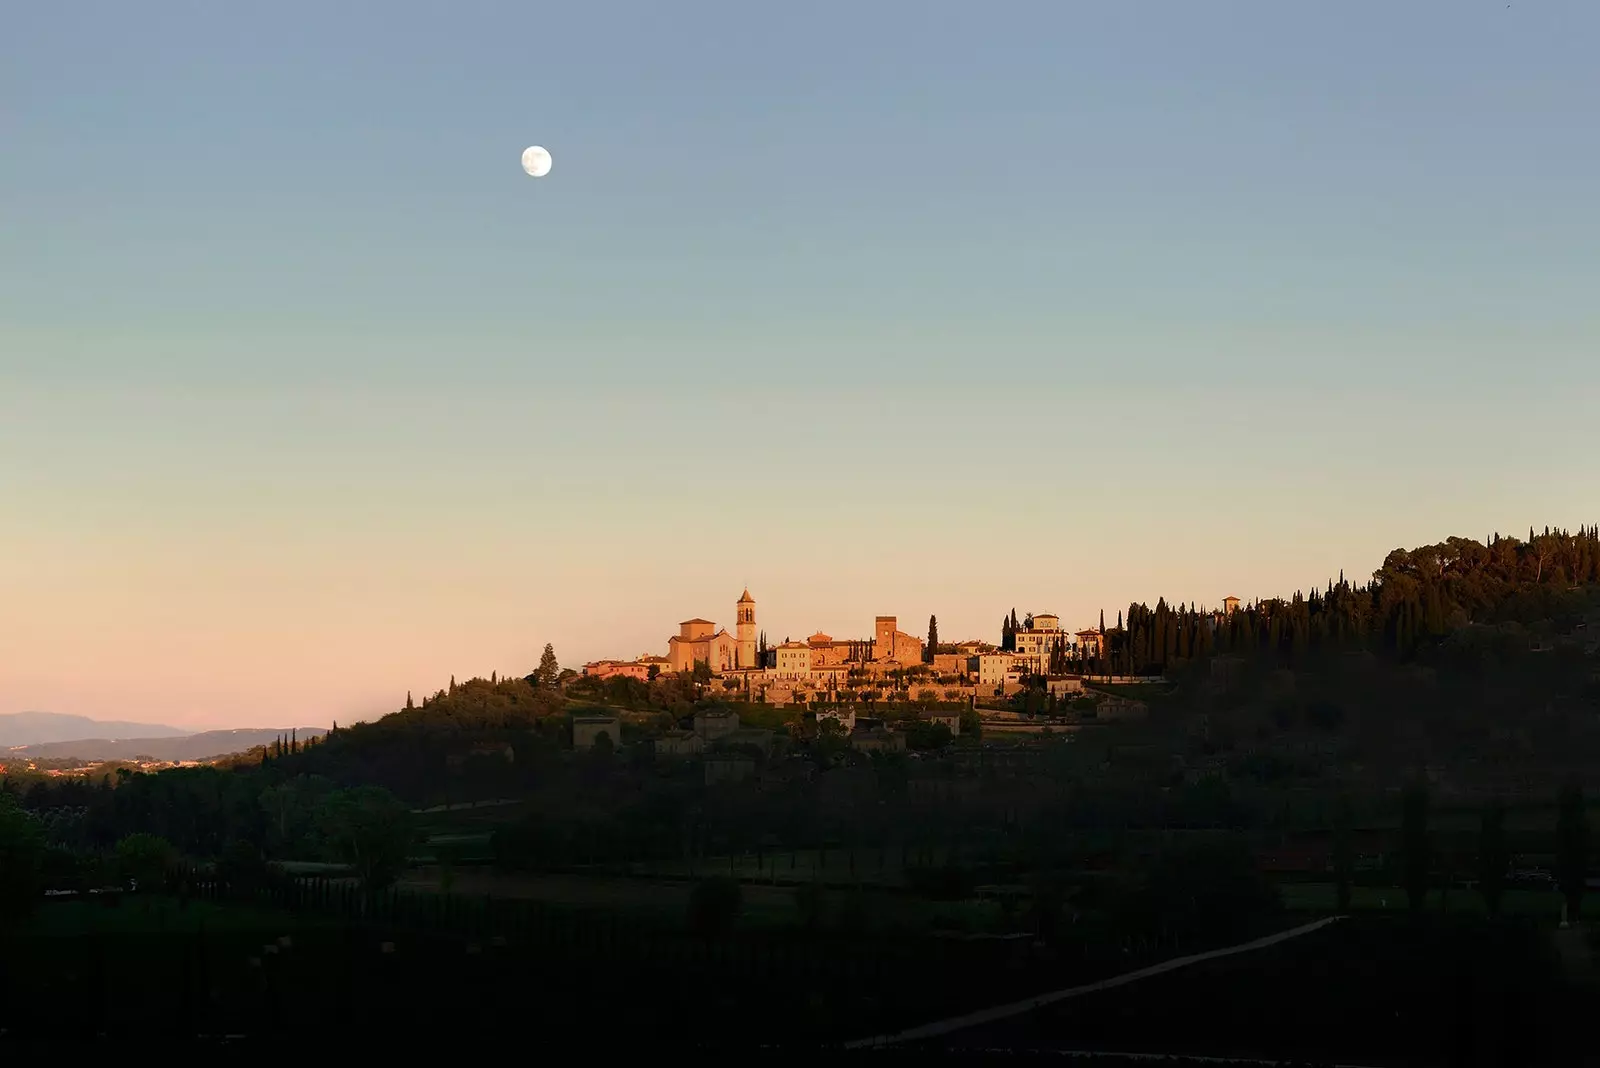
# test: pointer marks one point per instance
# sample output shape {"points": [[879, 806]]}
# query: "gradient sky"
{"points": [[309, 397]]}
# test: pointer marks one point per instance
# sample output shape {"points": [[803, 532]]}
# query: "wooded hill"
{"points": [[1416, 602]]}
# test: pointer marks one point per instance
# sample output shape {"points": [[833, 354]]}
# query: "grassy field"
{"points": [[668, 900], [1371, 990], [1541, 905], [159, 914], [867, 866]]}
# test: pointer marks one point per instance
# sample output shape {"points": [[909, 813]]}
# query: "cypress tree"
{"points": [[933, 639], [549, 669]]}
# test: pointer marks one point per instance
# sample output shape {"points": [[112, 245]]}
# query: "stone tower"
{"points": [[745, 613]]}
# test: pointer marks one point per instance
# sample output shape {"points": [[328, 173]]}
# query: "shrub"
{"points": [[21, 859], [146, 861]]}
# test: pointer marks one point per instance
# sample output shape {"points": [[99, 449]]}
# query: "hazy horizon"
{"points": [[309, 397]]}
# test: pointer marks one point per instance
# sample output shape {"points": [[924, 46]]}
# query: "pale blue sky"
{"points": [[309, 396]]}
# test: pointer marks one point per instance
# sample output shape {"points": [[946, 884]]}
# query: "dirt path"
{"points": [[1017, 1008]]}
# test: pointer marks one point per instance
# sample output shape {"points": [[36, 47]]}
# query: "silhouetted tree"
{"points": [[145, 860], [933, 640], [21, 860], [368, 828], [549, 671]]}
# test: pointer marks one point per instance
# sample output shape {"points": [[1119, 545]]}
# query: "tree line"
{"points": [[1415, 600]]}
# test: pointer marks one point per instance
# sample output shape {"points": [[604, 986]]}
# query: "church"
{"points": [[700, 640]]}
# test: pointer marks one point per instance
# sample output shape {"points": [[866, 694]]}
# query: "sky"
{"points": [[309, 397]]}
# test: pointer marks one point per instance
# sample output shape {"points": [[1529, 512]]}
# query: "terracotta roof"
{"points": [[747, 599], [819, 637], [723, 633], [686, 622]]}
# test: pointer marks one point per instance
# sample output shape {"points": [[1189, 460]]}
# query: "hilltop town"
{"points": [[1031, 649], [808, 820], [872, 688]]}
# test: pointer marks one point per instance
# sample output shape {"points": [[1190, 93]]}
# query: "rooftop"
{"points": [[747, 599], [703, 638]]}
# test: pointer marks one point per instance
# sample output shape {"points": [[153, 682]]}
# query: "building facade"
{"points": [[701, 640], [893, 645]]}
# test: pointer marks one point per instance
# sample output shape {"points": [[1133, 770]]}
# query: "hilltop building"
{"points": [[1036, 643], [892, 645], [700, 640], [643, 668]]}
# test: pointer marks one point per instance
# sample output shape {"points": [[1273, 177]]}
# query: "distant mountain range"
{"points": [[48, 736], [37, 728], [201, 746]]}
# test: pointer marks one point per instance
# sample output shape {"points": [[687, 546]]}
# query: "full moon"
{"points": [[536, 161]]}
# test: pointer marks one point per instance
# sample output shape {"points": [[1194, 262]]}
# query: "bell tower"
{"points": [[745, 614]]}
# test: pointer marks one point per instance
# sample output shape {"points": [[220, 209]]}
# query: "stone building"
{"points": [[713, 723], [586, 731], [1091, 644], [890, 644], [793, 661], [1036, 643], [699, 640], [827, 652], [958, 664], [608, 669]]}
